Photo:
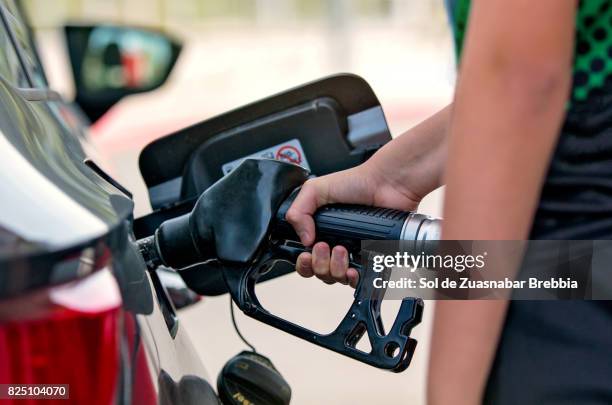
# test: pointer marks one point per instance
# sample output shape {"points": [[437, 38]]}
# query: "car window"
{"points": [[25, 44], [11, 69]]}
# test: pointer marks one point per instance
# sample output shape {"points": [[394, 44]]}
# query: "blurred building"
{"points": [[187, 13]]}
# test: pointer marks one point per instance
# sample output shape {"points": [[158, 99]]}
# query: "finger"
{"points": [[320, 259], [353, 277], [339, 264], [300, 213], [303, 265]]}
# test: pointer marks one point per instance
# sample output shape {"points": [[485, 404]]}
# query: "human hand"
{"points": [[398, 176], [360, 185]]}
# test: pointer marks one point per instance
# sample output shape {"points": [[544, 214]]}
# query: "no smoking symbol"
{"points": [[289, 154]]}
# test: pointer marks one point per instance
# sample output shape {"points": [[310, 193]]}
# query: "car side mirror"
{"points": [[110, 62]]}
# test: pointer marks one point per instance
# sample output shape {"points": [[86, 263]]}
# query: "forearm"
{"points": [[509, 106], [415, 160], [492, 191], [508, 110]]}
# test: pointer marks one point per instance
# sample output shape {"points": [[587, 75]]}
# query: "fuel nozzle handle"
{"points": [[348, 223]]}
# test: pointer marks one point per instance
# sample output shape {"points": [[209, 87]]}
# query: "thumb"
{"points": [[301, 211]]}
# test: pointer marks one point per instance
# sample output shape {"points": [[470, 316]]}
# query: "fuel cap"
{"points": [[251, 379]]}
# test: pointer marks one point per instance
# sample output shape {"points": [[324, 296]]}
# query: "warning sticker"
{"points": [[290, 151]]}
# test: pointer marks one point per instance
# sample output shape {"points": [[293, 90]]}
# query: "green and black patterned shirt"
{"points": [[576, 200]]}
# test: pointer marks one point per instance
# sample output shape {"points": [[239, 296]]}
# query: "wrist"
{"points": [[386, 175], [413, 164]]}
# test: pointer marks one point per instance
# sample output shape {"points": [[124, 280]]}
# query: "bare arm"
{"points": [[513, 83]]}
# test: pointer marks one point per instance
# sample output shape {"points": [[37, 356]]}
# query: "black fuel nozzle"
{"points": [[239, 223], [232, 218]]}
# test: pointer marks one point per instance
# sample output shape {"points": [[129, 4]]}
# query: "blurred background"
{"points": [[236, 52]]}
